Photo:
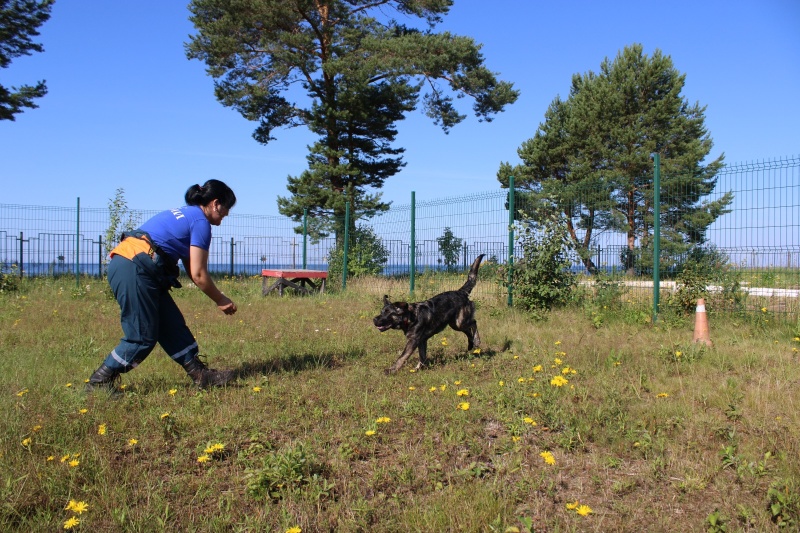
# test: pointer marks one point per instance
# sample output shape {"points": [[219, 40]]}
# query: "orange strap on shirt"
{"points": [[132, 246]]}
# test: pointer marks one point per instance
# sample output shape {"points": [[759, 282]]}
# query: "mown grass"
{"points": [[650, 432]]}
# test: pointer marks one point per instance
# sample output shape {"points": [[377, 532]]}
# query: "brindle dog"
{"points": [[422, 320]]}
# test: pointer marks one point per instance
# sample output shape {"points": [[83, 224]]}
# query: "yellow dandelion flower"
{"points": [[172, 392], [537, 368], [476, 351], [71, 522], [51, 457], [557, 361], [462, 392], [662, 395], [164, 415], [573, 506], [501, 383], [548, 458], [583, 510], [412, 370], [412, 388], [529, 420], [444, 342], [566, 370], [64, 458], [521, 380], [26, 442], [617, 363], [432, 389], [22, 393], [68, 385], [515, 438], [796, 339], [83, 411], [101, 429], [464, 406], [77, 507], [559, 381], [214, 448], [203, 458], [516, 357], [132, 442], [763, 309], [369, 432], [442, 387], [457, 382], [383, 420], [36, 428], [256, 389], [295, 529], [558, 343], [74, 463]]}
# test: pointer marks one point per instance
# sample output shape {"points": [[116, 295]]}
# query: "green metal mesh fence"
{"points": [[759, 236]]}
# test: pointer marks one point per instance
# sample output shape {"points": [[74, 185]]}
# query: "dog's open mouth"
{"points": [[382, 328]]}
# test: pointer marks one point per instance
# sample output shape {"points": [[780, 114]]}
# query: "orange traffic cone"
{"points": [[701, 324]]}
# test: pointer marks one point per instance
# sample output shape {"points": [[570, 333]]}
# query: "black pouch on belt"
{"points": [[161, 266]]}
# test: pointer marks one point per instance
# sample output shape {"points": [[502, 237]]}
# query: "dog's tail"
{"points": [[472, 277]]}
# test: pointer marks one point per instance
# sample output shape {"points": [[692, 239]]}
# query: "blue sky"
{"points": [[126, 109]]}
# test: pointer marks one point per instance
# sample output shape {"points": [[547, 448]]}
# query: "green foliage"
{"points": [[706, 266], [19, 22], [784, 504], [716, 522], [120, 220], [9, 281], [542, 278], [450, 247], [366, 254], [362, 70], [590, 158], [286, 472]]}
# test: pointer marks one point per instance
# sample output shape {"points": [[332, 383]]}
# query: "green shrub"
{"points": [[542, 278], [366, 255], [705, 267]]}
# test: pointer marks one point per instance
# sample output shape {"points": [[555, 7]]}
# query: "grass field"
{"points": [[593, 420]]}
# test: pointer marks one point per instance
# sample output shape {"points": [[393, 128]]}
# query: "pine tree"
{"points": [[360, 72], [19, 21], [591, 158]]}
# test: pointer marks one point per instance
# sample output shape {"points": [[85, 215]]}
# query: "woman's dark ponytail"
{"points": [[210, 191]]}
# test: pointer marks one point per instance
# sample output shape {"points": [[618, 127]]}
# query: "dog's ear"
{"points": [[386, 299], [402, 305]]}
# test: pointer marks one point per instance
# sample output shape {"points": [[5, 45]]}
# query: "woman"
{"points": [[143, 268]]}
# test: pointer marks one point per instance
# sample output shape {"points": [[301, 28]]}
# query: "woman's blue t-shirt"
{"points": [[178, 229]]}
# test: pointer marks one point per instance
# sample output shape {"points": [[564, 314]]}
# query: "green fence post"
{"points": [[305, 235], [21, 255], [78, 245], [656, 233], [346, 243], [413, 258], [510, 239], [100, 257], [232, 245]]}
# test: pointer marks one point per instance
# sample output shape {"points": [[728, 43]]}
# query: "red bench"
{"points": [[300, 279]]}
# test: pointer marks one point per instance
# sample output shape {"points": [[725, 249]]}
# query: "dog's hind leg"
{"points": [[473, 339]]}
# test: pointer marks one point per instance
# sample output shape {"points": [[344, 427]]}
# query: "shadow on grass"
{"points": [[296, 363]]}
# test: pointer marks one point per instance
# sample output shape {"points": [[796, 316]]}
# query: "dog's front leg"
{"points": [[411, 345], [423, 354]]}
